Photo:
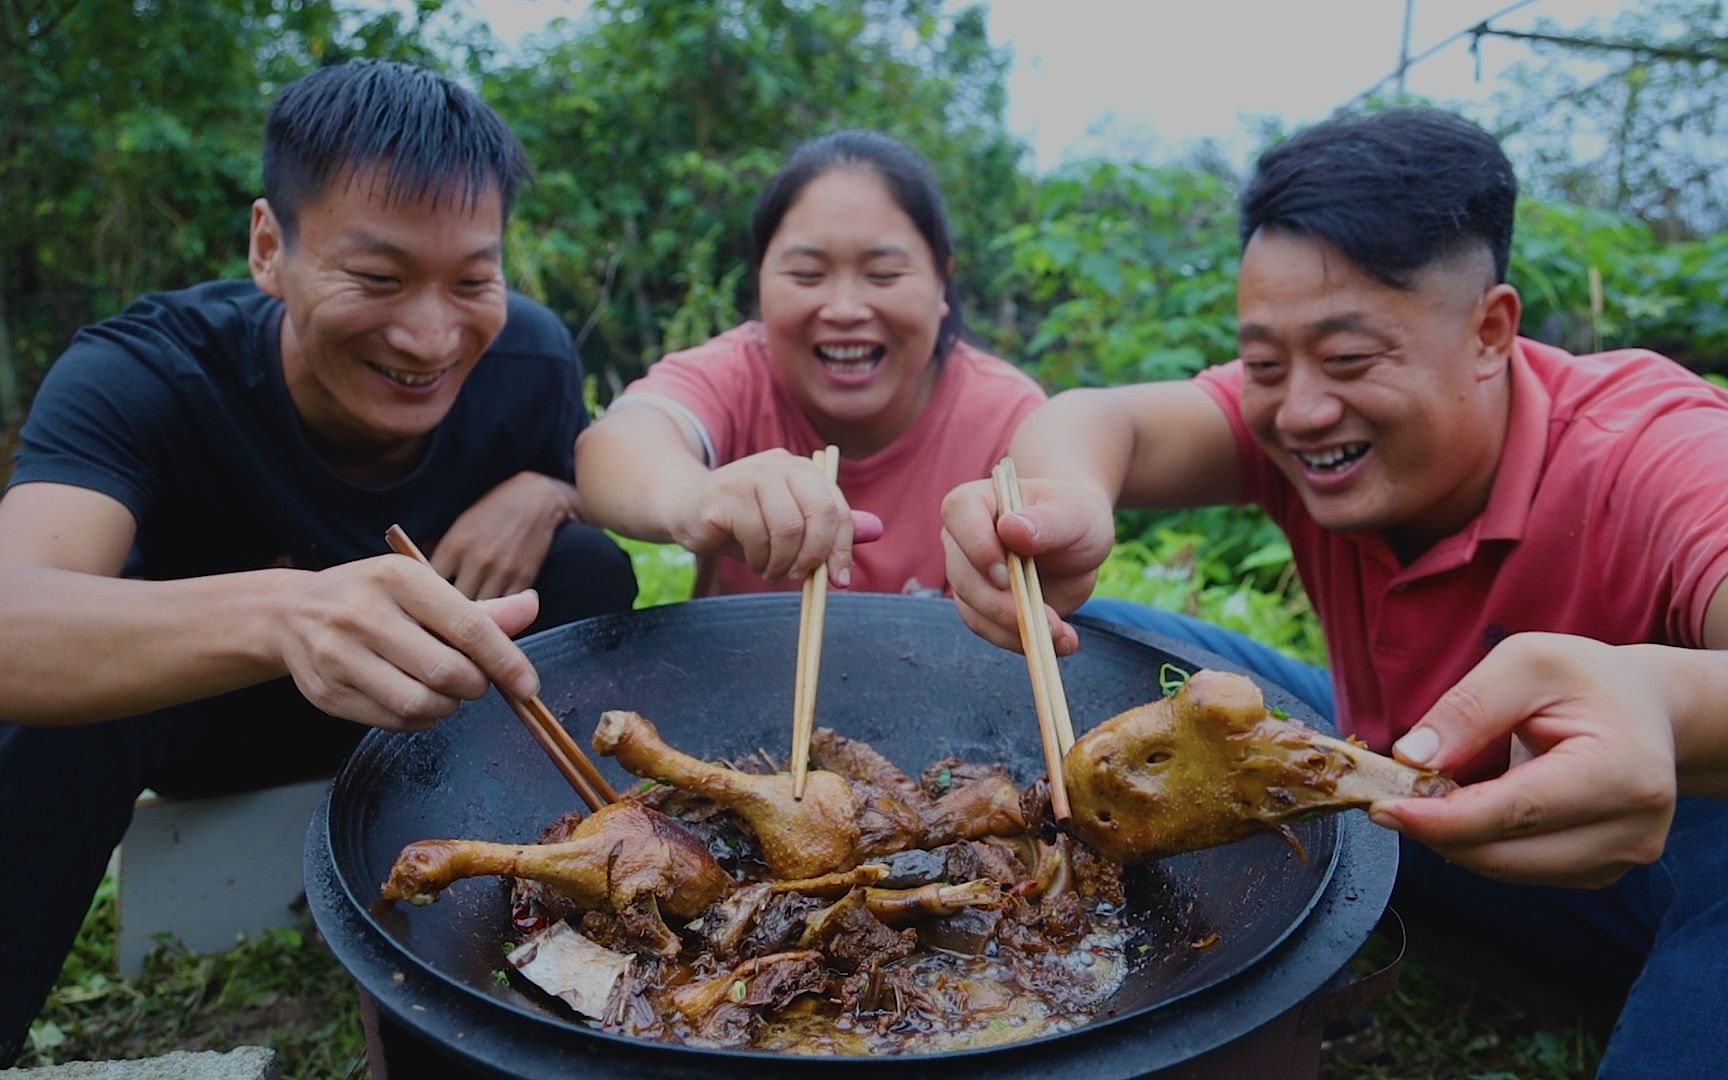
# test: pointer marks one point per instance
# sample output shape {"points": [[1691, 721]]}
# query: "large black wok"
{"points": [[716, 677]]}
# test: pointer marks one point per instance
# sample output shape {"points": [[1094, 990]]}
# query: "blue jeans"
{"points": [[1658, 936]]}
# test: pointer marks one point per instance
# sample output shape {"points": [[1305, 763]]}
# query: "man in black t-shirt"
{"points": [[195, 592]]}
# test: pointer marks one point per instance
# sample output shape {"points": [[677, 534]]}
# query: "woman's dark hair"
{"points": [[908, 179], [1395, 191], [433, 138]]}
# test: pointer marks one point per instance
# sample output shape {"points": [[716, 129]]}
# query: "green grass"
{"points": [[664, 572], [1452, 1015], [282, 989]]}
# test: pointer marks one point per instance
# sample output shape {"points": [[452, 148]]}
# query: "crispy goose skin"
{"points": [[799, 837], [1209, 765], [621, 854]]}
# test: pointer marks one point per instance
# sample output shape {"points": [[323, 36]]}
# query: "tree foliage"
{"points": [[129, 147], [1628, 115], [653, 124]]}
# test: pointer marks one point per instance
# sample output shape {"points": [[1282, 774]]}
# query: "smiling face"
{"points": [[389, 304], [852, 298], [1386, 408]]}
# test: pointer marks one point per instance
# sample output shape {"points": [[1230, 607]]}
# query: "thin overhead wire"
{"points": [[1406, 65]]}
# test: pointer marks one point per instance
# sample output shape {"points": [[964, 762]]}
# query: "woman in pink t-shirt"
{"points": [[858, 346]]}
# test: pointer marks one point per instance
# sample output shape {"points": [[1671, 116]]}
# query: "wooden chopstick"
{"points": [[1055, 728], [1046, 646], [811, 613], [564, 751]]}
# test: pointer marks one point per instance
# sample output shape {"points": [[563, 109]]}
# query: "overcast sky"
{"points": [[1146, 77]]}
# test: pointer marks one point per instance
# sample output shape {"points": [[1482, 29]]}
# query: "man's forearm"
{"points": [[1081, 436], [80, 647], [1694, 683]]}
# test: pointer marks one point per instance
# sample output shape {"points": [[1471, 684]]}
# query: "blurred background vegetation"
{"points": [[129, 139]]}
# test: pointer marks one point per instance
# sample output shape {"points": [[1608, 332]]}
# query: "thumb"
{"points": [[1480, 709], [1054, 530], [865, 527], [513, 613]]}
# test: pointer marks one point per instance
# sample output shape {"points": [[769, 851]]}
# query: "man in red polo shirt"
{"points": [[1517, 555]]}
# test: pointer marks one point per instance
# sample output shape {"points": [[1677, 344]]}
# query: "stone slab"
{"points": [[244, 1063], [209, 870]]}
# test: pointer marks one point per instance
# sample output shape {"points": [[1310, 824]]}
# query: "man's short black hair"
{"points": [[432, 137], [1394, 191]]}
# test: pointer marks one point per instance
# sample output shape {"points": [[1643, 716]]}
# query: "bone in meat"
{"points": [[799, 837]]}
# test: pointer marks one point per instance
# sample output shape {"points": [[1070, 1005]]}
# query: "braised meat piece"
{"points": [[1209, 765], [799, 837], [988, 806], [968, 931], [621, 852], [861, 762], [903, 907], [724, 924], [849, 935], [885, 823], [725, 1009], [962, 861], [941, 777], [780, 925]]}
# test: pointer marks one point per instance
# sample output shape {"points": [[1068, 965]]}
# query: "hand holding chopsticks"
{"points": [[810, 616], [1055, 728], [564, 751]]}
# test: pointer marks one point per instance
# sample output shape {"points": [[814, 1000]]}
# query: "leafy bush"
{"points": [[1230, 566]]}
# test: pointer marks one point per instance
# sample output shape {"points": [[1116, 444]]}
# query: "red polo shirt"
{"points": [[1608, 518]]}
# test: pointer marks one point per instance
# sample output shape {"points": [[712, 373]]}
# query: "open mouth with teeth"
{"points": [[413, 380], [1333, 459], [851, 359]]}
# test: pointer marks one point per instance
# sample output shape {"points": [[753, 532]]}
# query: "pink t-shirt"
{"points": [[731, 391], [1608, 519]]}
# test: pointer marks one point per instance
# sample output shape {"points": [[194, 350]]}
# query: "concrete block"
{"points": [[244, 1063], [208, 870]]}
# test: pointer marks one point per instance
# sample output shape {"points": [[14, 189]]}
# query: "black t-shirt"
{"points": [[177, 408]]}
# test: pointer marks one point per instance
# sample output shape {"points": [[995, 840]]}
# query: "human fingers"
{"points": [[1572, 815], [983, 601], [470, 629], [377, 694], [411, 679], [781, 527], [866, 527], [382, 671], [505, 576], [838, 553], [1590, 857], [470, 578], [1484, 706], [827, 522], [513, 612], [972, 548], [1067, 527]]}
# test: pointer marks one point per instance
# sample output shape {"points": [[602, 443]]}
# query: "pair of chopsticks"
{"points": [[590, 786], [1055, 728], [811, 613]]}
